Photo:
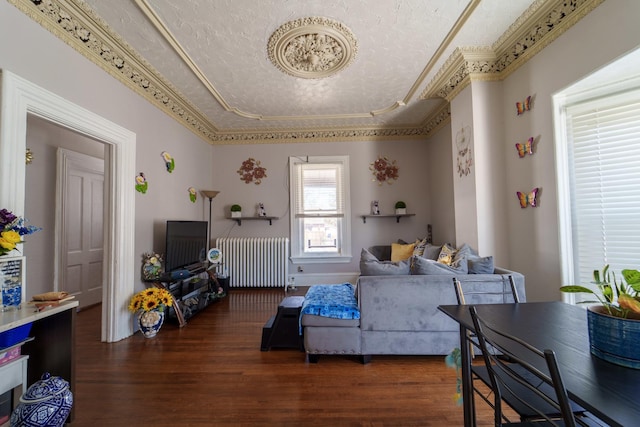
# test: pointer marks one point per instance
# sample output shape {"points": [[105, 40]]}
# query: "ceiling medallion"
{"points": [[312, 48]]}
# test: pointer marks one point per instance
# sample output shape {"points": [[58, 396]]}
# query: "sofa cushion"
{"points": [[400, 252], [371, 266], [422, 266], [480, 265]]}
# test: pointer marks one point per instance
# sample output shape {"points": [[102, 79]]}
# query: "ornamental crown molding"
{"points": [[312, 48], [542, 23]]}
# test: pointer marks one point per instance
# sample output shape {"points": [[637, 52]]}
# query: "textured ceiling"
{"points": [[206, 61]]}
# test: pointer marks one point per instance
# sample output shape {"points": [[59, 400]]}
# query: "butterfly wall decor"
{"points": [[521, 107], [527, 199], [525, 147]]}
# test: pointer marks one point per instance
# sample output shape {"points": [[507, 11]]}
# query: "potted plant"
{"points": [[236, 211], [401, 208], [614, 319]]}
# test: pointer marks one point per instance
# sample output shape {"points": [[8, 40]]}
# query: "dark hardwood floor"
{"points": [[212, 373]]}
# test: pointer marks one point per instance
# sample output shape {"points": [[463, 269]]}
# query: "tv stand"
{"points": [[191, 294]]}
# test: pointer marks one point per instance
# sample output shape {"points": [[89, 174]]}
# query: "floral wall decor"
{"points": [[252, 171], [141, 183], [525, 147], [384, 170], [527, 199], [521, 107], [168, 161], [193, 195], [463, 144]]}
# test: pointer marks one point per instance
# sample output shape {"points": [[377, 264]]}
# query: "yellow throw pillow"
{"points": [[401, 252]]}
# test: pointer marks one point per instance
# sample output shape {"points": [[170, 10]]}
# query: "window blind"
{"points": [[319, 192], [604, 162]]}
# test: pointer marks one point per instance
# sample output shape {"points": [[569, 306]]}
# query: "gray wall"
{"points": [[425, 181]]}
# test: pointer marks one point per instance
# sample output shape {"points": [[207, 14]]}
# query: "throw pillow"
{"points": [[385, 268], [446, 254], [431, 251], [481, 265], [423, 266], [421, 245], [366, 255], [401, 252]]}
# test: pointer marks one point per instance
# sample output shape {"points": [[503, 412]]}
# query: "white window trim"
{"points": [[562, 102], [297, 254]]}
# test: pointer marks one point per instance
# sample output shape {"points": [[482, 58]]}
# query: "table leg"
{"points": [[467, 381]]}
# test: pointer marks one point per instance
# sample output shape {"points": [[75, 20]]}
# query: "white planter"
{"points": [[401, 211], [235, 214]]}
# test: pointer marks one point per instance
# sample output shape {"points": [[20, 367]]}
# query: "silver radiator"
{"points": [[255, 262]]}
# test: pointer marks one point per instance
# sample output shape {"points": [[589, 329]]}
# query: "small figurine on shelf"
{"points": [[375, 208], [261, 210]]}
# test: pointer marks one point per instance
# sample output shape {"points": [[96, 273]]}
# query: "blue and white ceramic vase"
{"points": [[150, 322], [47, 403]]}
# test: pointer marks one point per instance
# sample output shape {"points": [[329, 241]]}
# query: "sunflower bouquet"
{"points": [[151, 299]]}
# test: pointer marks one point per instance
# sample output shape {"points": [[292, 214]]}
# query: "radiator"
{"points": [[255, 262]]}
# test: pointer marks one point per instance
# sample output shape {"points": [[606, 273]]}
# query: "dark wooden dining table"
{"points": [[609, 391]]}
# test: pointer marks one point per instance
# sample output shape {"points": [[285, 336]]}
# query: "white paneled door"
{"points": [[81, 226]]}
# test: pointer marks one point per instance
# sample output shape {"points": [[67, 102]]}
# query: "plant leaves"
{"points": [[632, 277], [576, 289]]}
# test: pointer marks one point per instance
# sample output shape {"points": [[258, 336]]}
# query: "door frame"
{"points": [[19, 98]]}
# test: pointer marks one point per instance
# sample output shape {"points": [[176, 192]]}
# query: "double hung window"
{"points": [[320, 223], [599, 183]]}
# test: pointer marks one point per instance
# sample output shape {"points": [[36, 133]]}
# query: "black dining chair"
{"points": [[526, 377], [480, 373]]}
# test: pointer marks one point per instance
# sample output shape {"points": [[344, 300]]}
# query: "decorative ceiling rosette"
{"points": [[252, 171], [384, 170], [312, 48]]}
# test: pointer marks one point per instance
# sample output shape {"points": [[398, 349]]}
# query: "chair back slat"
{"points": [[520, 369]]}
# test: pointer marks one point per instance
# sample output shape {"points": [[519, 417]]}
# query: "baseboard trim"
{"points": [[308, 279]]}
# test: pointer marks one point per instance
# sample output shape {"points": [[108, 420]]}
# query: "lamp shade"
{"points": [[209, 194]]}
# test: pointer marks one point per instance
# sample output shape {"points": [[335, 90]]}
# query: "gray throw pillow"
{"points": [[385, 268], [431, 251], [422, 266], [480, 265], [371, 266]]}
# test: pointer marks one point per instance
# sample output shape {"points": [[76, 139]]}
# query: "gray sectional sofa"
{"points": [[399, 314]]}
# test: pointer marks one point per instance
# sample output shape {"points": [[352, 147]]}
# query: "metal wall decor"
{"points": [[252, 171], [463, 145], [384, 170]]}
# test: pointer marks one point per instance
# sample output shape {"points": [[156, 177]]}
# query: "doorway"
{"points": [[21, 98]]}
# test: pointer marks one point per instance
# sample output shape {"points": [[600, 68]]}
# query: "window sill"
{"points": [[321, 259]]}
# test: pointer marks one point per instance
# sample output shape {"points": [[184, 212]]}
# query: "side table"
{"points": [[283, 329]]}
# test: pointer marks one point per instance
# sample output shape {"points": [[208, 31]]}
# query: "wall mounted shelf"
{"points": [[253, 218], [397, 217]]}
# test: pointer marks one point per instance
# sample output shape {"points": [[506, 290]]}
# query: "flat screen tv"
{"points": [[186, 245]]}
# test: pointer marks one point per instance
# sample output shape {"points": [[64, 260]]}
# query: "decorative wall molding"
{"points": [[540, 25], [77, 25]]}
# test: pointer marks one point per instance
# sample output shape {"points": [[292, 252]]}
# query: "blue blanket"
{"points": [[335, 301]]}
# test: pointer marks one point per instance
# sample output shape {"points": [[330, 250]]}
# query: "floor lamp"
{"points": [[209, 194]]}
